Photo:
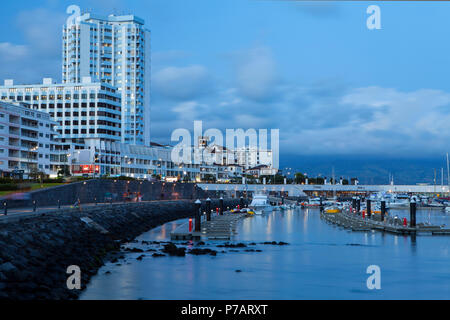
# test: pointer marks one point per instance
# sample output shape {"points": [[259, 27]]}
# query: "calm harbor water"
{"points": [[321, 262]]}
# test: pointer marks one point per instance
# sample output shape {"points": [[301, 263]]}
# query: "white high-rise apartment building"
{"points": [[115, 50]]}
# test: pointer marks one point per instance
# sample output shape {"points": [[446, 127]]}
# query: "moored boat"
{"points": [[260, 204]]}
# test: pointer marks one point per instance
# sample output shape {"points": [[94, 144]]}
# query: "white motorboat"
{"points": [[397, 201], [260, 204], [285, 207]]}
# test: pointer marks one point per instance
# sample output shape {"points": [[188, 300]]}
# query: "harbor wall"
{"points": [[35, 252], [101, 190]]}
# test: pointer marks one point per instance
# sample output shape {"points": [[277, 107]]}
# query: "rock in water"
{"points": [[198, 252], [173, 250]]}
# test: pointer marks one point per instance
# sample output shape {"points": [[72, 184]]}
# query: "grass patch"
{"points": [[37, 186], [30, 187]]}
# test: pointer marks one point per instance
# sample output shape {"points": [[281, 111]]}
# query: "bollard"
{"points": [[369, 209], [5, 205], [34, 205], [383, 209], [412, 214], [405, 222], [198, 216], [208, 209], [221, 206], [217, 211], [190, 225]]}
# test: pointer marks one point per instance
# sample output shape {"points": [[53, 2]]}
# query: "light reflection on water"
{"points": [[321, 262]]}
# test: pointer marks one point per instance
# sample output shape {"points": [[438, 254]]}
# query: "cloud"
{"points": [[332, 119], [40, 55], [256, 73], [375, 120], [182, 83], [12, 53]]}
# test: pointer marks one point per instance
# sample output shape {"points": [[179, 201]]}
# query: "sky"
{"points": [[311, 69]]}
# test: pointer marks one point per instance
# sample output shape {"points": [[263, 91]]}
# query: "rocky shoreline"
{"points": [[35, 252]]}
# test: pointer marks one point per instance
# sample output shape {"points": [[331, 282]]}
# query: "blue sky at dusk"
{"points": [[311, 69]]}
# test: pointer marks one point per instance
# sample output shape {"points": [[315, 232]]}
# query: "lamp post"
{"points": [[221, 206], [208, 209], [198, 223]]}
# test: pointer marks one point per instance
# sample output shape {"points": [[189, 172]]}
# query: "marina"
{"points": [[321, 261], [357, 223]]}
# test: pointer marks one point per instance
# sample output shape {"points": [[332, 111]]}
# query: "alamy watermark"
{"points": [[74, 280], [374, 280], [374, 20], [211, 146]]}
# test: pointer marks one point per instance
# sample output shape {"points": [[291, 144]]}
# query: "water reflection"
{"points": [[322, 262]]}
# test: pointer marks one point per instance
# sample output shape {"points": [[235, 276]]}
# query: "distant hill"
{"points": [[369, 170]]}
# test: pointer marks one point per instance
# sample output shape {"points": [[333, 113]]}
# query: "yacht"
{"points": [[397, 201], [260, 204], [313, 202]]}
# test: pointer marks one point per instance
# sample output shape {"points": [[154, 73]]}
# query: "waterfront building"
{"points": [[86, 110], [87, 114], [245, 157], [261, 170], [115, 50], [134, 161], [29, 142]]}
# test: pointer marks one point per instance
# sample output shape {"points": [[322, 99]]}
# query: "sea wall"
{"points": [[36, 251], [101, 190]]}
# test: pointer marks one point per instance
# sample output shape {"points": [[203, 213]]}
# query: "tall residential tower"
{"points": [[115, 50]]}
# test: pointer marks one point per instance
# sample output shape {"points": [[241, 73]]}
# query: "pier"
{"points": [[355, 222], [220, 227]]}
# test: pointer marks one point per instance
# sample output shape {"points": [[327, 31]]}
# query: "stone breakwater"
{"points": [[35, 252]]}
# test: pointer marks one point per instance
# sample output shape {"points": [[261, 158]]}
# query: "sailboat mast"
{"points": [[334, 183], [448, 171]]}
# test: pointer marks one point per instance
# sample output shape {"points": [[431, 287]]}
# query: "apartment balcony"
{"points": [[29, 124], [14, 131], [29, 136]]}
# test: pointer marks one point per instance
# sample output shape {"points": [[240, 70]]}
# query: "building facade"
{"points": [[29, 142], [115, 50], [97, 121]]}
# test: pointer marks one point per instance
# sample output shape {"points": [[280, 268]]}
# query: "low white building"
{"points": [[261, 170], [246, 157]]}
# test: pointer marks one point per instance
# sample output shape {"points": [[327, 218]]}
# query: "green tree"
{"points": [[300, 178]]}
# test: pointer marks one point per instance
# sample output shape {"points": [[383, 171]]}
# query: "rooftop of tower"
{"points": [[112, 18]]}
